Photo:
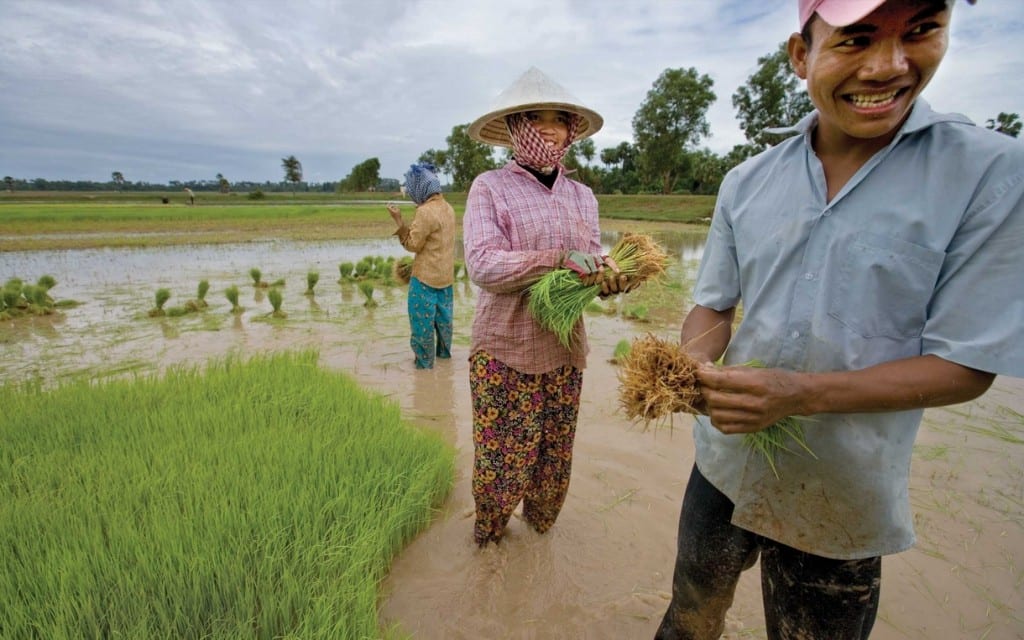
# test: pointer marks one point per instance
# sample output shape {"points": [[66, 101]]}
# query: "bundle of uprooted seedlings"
{"points": [[658, 378], [558, 299], [401, 269]]}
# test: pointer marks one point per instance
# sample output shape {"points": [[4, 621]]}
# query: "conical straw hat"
{"points": [[532, 91]]}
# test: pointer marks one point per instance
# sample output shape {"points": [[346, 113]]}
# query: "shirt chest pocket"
{"points": [[884, 287]]}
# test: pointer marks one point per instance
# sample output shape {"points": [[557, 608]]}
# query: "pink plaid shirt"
{"points": [[515, 230]]}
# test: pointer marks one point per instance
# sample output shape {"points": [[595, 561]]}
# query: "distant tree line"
{"points": [[665, 156]]}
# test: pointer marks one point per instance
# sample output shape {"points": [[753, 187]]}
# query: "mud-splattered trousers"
{"points": [[524, 426], [806, 597], [430, 317]]}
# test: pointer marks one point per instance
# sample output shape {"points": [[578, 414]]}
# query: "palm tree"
{"points": [[118, 179], [1008, 123], [9, 183]]}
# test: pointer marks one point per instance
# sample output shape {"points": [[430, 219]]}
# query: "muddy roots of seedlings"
{"points": [[657, 378]]}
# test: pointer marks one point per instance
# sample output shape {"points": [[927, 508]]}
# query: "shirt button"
{"points": [[795, 335], [808, 276]]}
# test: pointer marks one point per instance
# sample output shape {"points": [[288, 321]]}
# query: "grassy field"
{"points": [[58, 220], [252, 499]]}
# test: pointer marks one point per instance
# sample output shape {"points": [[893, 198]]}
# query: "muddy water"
{"points": [[604, 570]]}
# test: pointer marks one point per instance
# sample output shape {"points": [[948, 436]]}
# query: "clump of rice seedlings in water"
{"points": [[231, 293], [311, 279], [345, 269], [658, 378], [402, 269], [276, 298], [45, 283], [637, 312], [201, 291], [363, 268], [200, 300], [161, 298], [559, 298], [277, 283], [18, 298], [622, 349], [367, 290], [11, 300], [257, 278]]}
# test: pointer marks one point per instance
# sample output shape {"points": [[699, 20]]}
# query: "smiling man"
{"points": [[877, 256]]}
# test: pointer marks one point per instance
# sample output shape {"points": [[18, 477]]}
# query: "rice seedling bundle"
{"points": [[658, 378], [160, 298], [312, 278], [366, 288], [402, 269], [559, 298], [276, 298]]}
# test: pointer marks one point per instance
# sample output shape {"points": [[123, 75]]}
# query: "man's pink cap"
{"points": [[837, 13]]}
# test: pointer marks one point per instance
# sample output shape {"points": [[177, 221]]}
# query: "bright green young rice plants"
{"points": [[202, 512], [366, 288], [559, 298], [257, 278], [311, 279], [160, 299], [276, 298], [778, 437], [231, 293]]}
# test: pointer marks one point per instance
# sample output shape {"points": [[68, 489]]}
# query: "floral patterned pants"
{"points": [[524, 426], [430, 317]]}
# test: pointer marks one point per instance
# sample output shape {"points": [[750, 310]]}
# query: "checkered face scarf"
{"points": [[529, 147]]}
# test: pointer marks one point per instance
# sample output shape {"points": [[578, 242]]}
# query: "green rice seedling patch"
{"points": [[261, 498]]}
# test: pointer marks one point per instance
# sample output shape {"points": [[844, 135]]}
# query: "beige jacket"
{"points": [[431, 236]]}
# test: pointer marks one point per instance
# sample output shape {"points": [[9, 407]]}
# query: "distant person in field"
{"points": [[191, 196], [522, 221], [876, 254], [431, 236]]}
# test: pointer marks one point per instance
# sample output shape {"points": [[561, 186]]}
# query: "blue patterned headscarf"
{"points": [[421, 182]]}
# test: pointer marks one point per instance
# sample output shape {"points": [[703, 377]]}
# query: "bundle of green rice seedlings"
{"points": [[401, 269], [658, 378], [559, 298]]}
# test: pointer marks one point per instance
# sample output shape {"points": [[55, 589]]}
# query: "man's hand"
{"points": [[745, 399]]}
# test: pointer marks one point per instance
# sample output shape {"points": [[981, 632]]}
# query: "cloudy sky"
{"points": [[185, 89]]}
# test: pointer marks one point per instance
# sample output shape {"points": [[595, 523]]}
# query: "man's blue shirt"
{"points": [[921, 252]]}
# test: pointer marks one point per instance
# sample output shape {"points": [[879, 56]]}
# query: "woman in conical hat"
{"points": [[523, 220]]}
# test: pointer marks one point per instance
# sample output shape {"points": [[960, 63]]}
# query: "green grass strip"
{"points": [[260, 499]]}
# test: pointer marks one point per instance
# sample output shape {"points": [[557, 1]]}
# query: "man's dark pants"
{"points": [[805, 596]]}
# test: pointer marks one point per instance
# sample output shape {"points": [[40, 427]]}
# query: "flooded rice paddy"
{"points": [[604, 570]]}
